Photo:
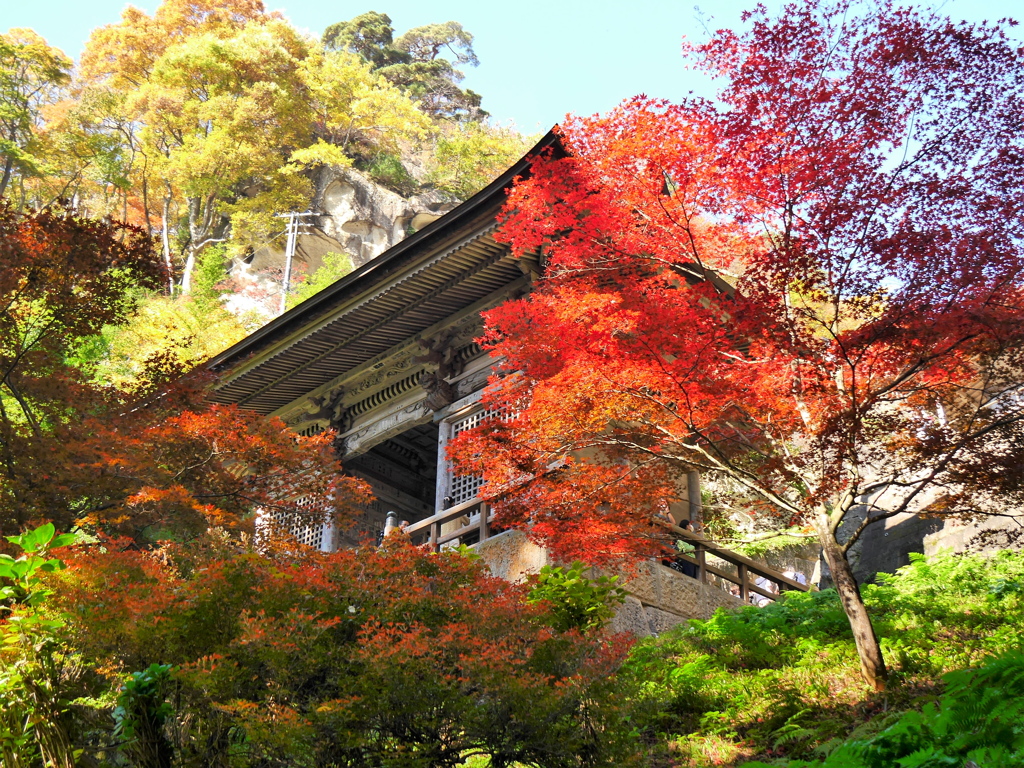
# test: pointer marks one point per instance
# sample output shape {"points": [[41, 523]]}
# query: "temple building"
{"points": [[386, 356]]}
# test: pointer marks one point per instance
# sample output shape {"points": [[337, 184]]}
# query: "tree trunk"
{"points": [[165, 238], [872, 665], [186, 271], [6, 178], [145, 203], [200, 219]]}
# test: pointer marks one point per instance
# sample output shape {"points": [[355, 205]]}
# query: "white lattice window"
{"points": [[458, 489], [306, 528]]}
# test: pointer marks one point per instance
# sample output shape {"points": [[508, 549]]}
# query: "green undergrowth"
{"points": [[781, 683], [978, 720], [792, 538]]}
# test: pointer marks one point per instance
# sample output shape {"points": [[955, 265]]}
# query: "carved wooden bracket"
{"points": [[441, 357], [326, 407]]}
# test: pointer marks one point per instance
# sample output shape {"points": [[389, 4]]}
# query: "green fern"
{"points": [[979, 719]]}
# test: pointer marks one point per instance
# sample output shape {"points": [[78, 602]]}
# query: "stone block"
{"points": [[631, 617], [645, 584], [512, 556], [661, 621], [718, 598], [681, 594]]}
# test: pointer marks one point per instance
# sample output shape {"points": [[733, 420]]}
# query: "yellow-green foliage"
{"points": [[166, 330], [468, 156], [216, 108], [268, 100], [168, 335], [32, 75], [335, 267]]}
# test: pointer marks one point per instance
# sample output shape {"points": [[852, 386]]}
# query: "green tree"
{"points": [[32, 75], [177, 331], [218, 113], [369, 36], [335, 267], [424, 61]]}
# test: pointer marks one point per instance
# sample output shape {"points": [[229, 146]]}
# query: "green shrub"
{"points": [[978, 720], [782, 681], [387, 170], [140, 715], [577, 602]]}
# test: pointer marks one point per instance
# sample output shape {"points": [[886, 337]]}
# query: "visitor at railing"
{"points": [[391, 525], [766, 585], [796, 576], [684, 547]]}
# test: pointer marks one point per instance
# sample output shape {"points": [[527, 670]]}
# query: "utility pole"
{"points": [[294, 222]]}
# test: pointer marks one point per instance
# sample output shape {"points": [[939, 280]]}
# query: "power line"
{"points": [[294, 223]]}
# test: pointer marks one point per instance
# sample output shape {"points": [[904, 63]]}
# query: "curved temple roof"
{"points": [[449, 265]]}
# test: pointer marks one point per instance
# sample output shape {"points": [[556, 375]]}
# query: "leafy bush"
{"points": [[36, 670], [388, 657], [141, 713], [782, 680], [790, 538], [576, 601], [978, 720]]}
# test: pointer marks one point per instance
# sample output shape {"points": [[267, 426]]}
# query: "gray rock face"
{"points": [[358, 217], [886, 545], [366, 219]]}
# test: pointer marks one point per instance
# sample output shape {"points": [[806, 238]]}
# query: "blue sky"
{"points": [[539, 59]]}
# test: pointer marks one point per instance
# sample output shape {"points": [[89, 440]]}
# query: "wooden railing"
{"points": [[478, 528], [429, 531], [745, 567]]}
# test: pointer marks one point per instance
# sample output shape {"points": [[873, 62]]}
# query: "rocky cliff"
{"points": [[356, 216]]}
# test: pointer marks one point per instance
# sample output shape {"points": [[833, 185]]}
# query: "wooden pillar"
{"points": [[485, 529], [435, 536], [695, 503], [744, 584], [701, 565]]}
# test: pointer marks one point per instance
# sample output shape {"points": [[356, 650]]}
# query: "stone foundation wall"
{"points": [[659, 597], [512, 556]]}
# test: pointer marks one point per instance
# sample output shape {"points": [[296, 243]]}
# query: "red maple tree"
{"points": [[389, 655], [73, 450], [808, 290]]}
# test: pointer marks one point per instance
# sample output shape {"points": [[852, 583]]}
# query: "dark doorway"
{"points": [[403, 474]]}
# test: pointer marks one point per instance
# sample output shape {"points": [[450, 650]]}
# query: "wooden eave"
{"points": [[445, 267]]}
